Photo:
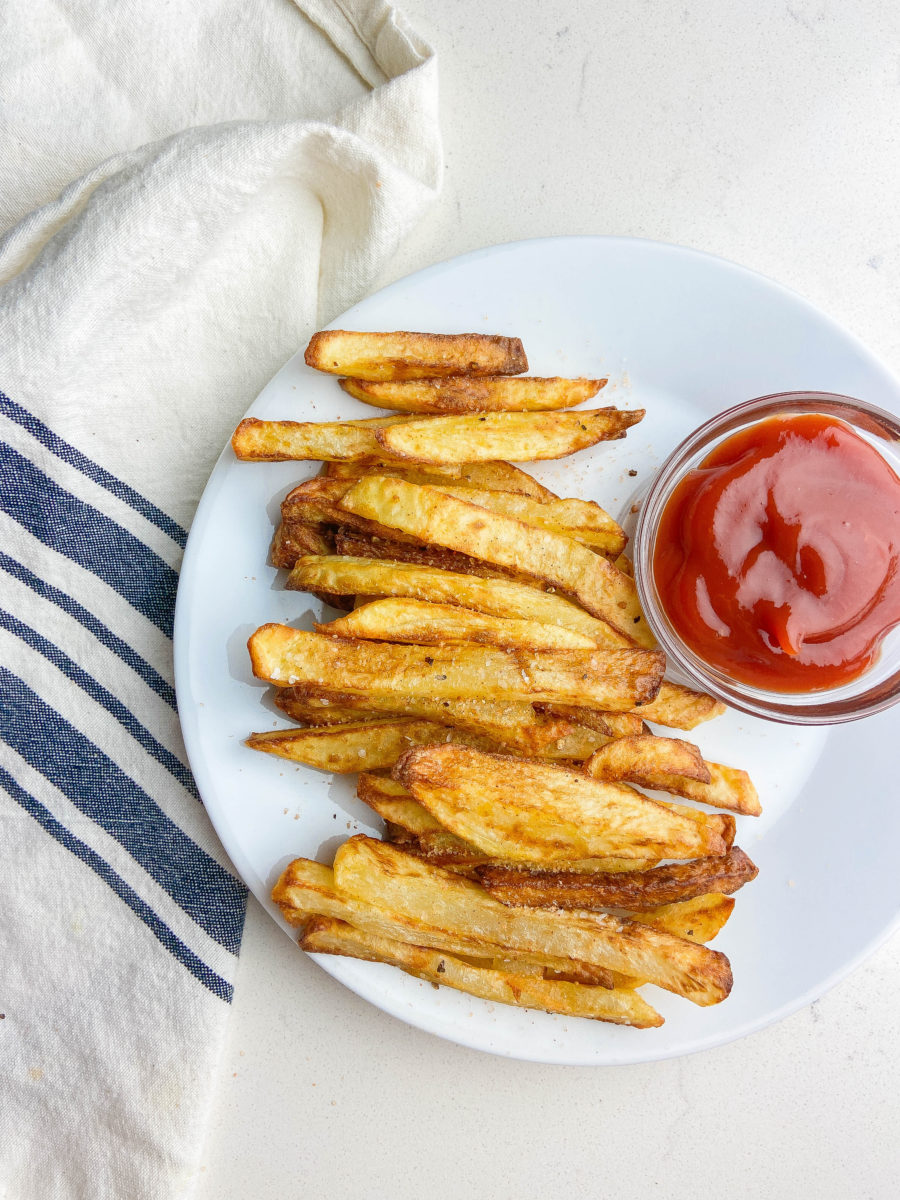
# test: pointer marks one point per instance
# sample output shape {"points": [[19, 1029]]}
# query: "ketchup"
{"points": [[778, 558]]}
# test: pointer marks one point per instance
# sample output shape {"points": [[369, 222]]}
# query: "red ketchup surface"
{"points": [[778, 558]]}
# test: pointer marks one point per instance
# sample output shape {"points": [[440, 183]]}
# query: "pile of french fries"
{"points": [[490, 678]]}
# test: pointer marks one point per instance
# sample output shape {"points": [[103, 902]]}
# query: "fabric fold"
{"points": [[207, 184]]}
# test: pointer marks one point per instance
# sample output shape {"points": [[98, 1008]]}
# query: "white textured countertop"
{"points": [[766, 133]]}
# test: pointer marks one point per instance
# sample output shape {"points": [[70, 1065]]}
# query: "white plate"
{"points": [[683, 335]]}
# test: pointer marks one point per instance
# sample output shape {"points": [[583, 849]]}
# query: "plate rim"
{"points": [[231, 843]]}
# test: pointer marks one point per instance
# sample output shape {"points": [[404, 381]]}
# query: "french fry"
{"points": [[640, 891], [520, 437], [650, 762], [309, 710], [324, 935], [611, 679], [491, 476], [351, 543], [614, 725], [433, 517], [445, 849], [425, 624], [427, 897], [432, 842], [574, 746], [729, 788], [465, 394], [308, 889], [348, 748], [535, 812], [645, 758], [316, 502], [294, 541], [681, 708], [582, 520], [495, 596], [698, 920], [394, 803], [405, 355], [282, 441], [512, 724]]}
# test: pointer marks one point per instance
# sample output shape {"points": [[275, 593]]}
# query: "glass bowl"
{"points": [[879, 686]]}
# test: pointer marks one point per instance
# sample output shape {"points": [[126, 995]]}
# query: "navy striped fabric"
{"points": [[127, 653], [86, 696], [80, 849], [88, 537], [69, 454]]}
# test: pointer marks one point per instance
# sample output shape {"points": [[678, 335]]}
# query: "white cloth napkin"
{"points": [[188, 191]]}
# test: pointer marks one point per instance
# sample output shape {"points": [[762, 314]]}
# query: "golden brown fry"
{"points": [[582, 520], [680, 708], [500, 476], [351, 543], [521, 437], [645, 758], [348, 748], [538, 812], [610, 679], [393, 803], [309, 710], [465, 394], [651, 762], [307, 888], [729, 788], [514, 725], [445, 849], [613, 725], [432, 842], [405, 355], [324, 935], [425, 624], [492, 595], [698, 920], [315, 504], [640, 891], [624, 724], [491, 476], [292, 541], [442, 903], [282, 441], [433, 517]]}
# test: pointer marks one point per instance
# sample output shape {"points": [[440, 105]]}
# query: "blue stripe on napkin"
{"points": [[92, 470], [206, 975], [211, 896], [129, 656], [98, 692], [88, 537]]}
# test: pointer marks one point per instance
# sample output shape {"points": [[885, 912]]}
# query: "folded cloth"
{"points": [[241, 172]]}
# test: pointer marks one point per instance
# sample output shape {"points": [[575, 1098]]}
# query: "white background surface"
{"points": [[768, 134]]}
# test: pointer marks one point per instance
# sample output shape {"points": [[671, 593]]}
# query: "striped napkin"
{"points": [[265, 163]]}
